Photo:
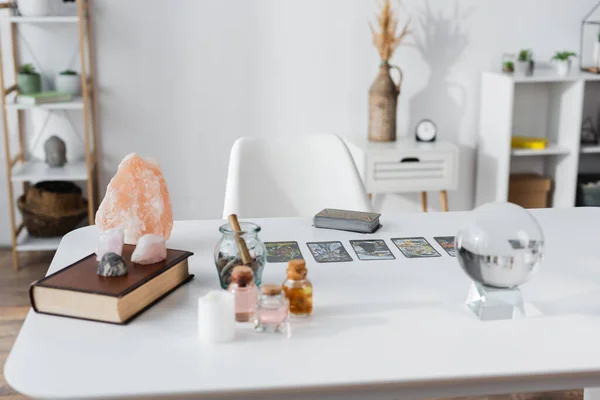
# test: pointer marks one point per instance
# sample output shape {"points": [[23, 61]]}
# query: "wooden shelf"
{"points": [[551, 150], [75, 104], [36, 171], [26, 242], [58, 19], [589, 149]]}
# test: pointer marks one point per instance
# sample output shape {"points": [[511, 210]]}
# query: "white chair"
{"points": [[289, 177]]}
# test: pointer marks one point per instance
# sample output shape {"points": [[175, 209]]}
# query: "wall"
{"points": [[181, 83]]}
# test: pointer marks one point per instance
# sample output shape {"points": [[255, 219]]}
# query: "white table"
{"points": [[406, 166], [380, 330]]}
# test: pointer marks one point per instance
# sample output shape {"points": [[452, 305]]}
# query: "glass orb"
{"points": [[500, 246]]}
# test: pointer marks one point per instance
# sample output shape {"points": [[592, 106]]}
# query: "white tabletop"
{"points": [[380, 329], [403, 143]]}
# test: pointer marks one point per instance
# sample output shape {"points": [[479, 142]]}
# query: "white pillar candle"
{"points": [[216, 317]]}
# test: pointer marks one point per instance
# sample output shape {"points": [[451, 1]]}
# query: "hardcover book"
{"points": [[43, 98], [77, 291]]}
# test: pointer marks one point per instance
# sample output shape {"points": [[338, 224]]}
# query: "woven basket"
{"points": [[52, 208]]}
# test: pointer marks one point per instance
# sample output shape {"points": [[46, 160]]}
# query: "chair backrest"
{"points": [[288, 177]]}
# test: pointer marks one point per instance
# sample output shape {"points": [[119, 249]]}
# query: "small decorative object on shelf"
{"points": [[426, 131], [525, 64], [589, 135], [589, 53], [55, 150], [245, 291], [38, 98], [500, 247], [216, 317], [52, 208], [112, 264], [34, 8], [28, 79], [383, 94], [298, 290], [597, 51], [229, 251], [137, 200], [508, 63], [68, 81], [526, 142], [562, 61], [271, 310], [150, 249], [110, 241]]}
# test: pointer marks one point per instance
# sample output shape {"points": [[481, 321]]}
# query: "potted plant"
{"points": [[68, 81], [34, 8], [508, 67], [28, 79], [562, 61], [524, 65]]}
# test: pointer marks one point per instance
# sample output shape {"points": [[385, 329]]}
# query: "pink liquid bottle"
{"points": [[245, 291], [271, 310]]}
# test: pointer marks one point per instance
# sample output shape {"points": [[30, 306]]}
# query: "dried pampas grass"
{"points": [[388, 38]]}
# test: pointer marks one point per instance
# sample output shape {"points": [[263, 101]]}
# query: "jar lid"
{"points": [[297, 269], [271, 289], [242, 275]]}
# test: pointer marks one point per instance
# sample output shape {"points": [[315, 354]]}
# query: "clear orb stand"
{"points": [[492, 304]]}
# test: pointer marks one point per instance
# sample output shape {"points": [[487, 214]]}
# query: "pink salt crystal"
{"points": [[137, 200], [150, 249], [110, 241]]}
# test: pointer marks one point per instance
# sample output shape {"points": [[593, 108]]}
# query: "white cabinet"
{"points": [[406, 166]]}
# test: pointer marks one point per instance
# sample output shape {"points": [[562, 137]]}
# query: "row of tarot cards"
{"points": [[374, 249]]}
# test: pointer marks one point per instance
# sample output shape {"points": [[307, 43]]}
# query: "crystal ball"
{"points": [[501, 245]]}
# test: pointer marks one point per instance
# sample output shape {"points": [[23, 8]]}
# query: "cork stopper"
{"points": [[242, 275], [270, 289], [296, 270]]}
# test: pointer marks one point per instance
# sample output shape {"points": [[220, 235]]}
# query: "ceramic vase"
{"points": [[34, 8], [29, 83], [597, 54], [383, 104], [524, 68], [563, 67], [68, 84]]}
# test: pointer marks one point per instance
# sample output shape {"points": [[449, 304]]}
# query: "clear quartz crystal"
{"points": [[500, 247], [271, 313]]}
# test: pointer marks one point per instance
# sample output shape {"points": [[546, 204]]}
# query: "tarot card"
{"points": [[447, 243], [416, 247], [372, 250], [325, 252], [278, 252]]}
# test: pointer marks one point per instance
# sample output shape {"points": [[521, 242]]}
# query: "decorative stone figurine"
{"points": [[56, 151], [112, 264], [137, 200], [150, 249]]}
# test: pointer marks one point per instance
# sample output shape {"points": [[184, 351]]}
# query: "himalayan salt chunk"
{"points": [[112, 264], [137, 200], [150, 249], [111, 241]]}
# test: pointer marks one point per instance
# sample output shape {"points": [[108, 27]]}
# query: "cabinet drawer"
{"points": [[411, 172]]}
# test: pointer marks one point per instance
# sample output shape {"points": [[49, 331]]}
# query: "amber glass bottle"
{"points": [[298, 289]]}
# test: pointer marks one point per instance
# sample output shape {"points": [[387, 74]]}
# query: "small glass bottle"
{"points": [[271, 310], [298, 290], [245, 291]]}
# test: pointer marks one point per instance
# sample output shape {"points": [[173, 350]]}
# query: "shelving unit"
{"points": [[20, 166], [544, 105]]}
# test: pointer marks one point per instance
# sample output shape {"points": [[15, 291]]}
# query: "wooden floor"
{"points": [[14, 305]]}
